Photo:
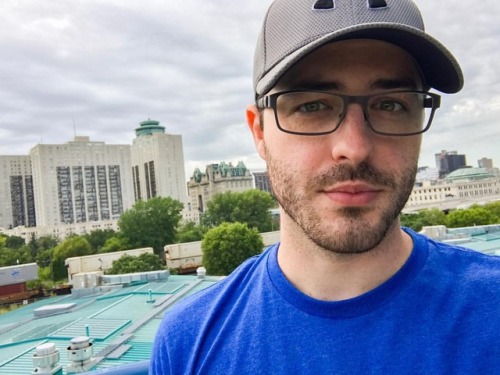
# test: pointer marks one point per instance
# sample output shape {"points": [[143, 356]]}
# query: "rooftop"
{"points": [[121, 323], [469, 174], [483, 238]]}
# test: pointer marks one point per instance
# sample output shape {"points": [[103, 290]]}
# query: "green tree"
{"points": [[3, 240], [47, 242], [41, 245], [190, 232], [8, 257], [116, 243], [73, 246], [494, 208], [423, 218], [14, 242], [44, 258], [130, 264], [412, 220], [97, 238], [469, 217], [151, 223], [227, 246], [250, 207], [433, 216]]}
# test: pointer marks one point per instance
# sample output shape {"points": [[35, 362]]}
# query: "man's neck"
{"points": [[324, 275]]}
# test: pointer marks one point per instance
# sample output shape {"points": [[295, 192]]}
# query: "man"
{"points": [[341, 102]]}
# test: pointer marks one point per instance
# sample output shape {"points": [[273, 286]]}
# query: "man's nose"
{"points": [[353, 140]]}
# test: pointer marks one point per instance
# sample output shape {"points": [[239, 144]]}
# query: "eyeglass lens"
{"points": [[394, 113]]}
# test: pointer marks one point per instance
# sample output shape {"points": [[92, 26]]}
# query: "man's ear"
{"points": [[257, 129]]}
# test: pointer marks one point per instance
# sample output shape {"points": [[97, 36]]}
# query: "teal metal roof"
{"points": [[469, 174], [485, 238], [121, 324], [149, 127]]}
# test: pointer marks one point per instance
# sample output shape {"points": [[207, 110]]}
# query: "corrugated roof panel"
{"points": [[99, 329], [122, 323]]}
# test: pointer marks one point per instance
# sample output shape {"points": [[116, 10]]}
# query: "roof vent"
{"points": [[201, 272], [46, 359], [80, 355]]}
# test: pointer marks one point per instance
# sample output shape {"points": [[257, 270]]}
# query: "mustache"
{"points": [[364, 172]]}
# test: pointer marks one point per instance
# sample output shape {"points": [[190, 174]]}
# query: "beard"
{"points": [[352, 231]]}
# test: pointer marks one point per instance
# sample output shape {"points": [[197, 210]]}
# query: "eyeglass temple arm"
{"points": [[432, 102]]}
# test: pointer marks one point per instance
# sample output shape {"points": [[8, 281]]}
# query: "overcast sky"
{"points": [[98, 68]]}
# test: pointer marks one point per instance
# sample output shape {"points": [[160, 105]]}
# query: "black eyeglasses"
{"points": [[393, 113]]}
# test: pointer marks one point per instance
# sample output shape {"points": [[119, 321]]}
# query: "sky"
{"points": [[98, 68]]}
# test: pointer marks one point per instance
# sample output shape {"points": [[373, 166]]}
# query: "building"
{"points": [[460, 189], [262, 182], [157, 163], [449, 161], [488, 165], [80, 181], [485, 163], [218, 178], [427, 174], [60, 231], [13, 278], [16, 192]]}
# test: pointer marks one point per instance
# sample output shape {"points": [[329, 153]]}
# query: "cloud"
{"points": [[98, 68]]}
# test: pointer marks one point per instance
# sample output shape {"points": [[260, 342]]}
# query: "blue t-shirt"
{"points": [[439, 314]]}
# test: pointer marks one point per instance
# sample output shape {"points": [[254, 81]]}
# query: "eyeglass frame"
{"points": [[271, 100]]}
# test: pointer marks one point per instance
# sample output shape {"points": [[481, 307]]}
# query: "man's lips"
{"points": [[352, 194]]}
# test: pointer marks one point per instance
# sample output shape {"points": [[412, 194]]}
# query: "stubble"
{"points": [[351, 231]]}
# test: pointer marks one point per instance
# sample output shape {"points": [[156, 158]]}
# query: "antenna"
{"points": [[74, 126]]}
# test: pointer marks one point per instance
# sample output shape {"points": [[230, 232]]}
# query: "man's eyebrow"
{"points": [[316, 86], [391, 83]]}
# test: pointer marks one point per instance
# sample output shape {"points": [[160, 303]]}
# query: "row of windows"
{"points": [[434, 190], [470, 193], [84, 193], [477, 186], [477, 193]]}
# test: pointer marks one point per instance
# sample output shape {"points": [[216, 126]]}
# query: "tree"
{"points": [[190, 232], [44, 257], [3, 240], [71, 247], [116, 243], [47, 242], [225, 247], [423, 218], [130, 264], [8, 257], [14, 242], [97, 238], [41, 245], [494, 208], [250, 207], [470, 217], [151, 223]]}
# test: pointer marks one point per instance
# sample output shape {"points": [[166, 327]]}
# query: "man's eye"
{"points": [[390, 106], [312, 107]]}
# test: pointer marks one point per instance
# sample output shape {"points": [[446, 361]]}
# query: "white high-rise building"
{"points": [[81, 181], [158, 163], [16, 192]]}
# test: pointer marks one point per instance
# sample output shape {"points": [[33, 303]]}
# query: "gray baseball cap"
{"points": [[294, 28]]}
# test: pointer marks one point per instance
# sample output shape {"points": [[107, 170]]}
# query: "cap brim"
{"points": [[440, 69]]}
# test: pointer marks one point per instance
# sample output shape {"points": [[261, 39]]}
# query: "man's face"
{"points": [[343, 190]]}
